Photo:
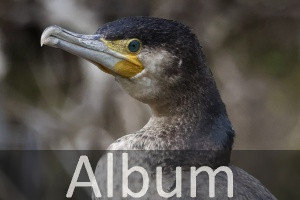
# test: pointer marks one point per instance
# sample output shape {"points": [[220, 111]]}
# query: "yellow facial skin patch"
{"points": [[130, 66]]}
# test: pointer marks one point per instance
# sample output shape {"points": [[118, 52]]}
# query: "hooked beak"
{"points": [[90, 47]]}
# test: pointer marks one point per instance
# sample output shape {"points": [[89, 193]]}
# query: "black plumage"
{"points": [[154, 33], [205, 124], [187, 110]]}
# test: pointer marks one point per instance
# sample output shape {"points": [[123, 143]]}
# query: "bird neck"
{"points": [[196, 116], [190, 100]]}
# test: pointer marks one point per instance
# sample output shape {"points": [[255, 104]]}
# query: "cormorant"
{"points": [[160, 63]]}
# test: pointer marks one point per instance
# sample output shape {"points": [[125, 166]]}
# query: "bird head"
{"points": [[151, 58]]}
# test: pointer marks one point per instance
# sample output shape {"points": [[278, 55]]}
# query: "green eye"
{"points": [[134, 45]]}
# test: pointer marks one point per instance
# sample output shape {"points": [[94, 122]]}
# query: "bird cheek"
{"points": [[172, 76], [173, 73], [147, 81]]}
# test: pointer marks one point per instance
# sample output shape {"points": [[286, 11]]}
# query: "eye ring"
{"points": [[134, 45]]}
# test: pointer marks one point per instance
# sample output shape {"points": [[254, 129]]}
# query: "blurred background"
{"points": [[50, 99]]}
